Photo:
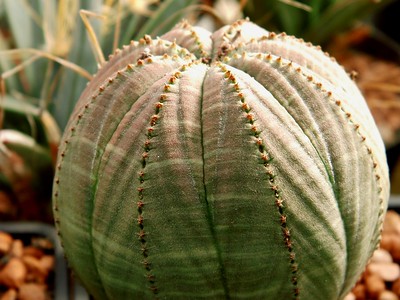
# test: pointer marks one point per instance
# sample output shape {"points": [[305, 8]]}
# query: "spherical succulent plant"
{"points": [[241, 164]]}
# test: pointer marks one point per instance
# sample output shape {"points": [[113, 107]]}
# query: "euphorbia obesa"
{"points": [[241, 164]]}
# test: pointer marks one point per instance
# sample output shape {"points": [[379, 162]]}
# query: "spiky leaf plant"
{"points": [[317, 20], [27, 159], [235, 165]]}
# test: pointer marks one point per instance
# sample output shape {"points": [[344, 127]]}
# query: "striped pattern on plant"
{"points": [[247, 166]]}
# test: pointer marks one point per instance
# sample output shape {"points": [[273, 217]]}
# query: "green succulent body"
{"points": [[235, 165]]}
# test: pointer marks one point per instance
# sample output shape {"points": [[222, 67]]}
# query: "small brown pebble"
{"points": [[387, 271], [388, 295], [10, 294], [396, 287], [388, 241], [350, 296], [359, 291], [33, 251], [396, 249], [381, 256], [33, 264], [13, 273], [17, 248], [5, 242], [36, 272], [391, 223], [47, 262], [32, 291], [374, 285]]}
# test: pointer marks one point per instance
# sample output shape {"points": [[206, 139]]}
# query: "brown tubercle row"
{"points": [[266, 160], [141, 203]]}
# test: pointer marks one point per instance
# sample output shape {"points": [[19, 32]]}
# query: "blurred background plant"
{"points": [[49, 50], [46, 60], [314, 20]]}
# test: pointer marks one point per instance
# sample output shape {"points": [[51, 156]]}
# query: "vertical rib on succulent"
{"points": [[266, 160], [363, 139], [358, 129], [141, 203], [64, 151]]}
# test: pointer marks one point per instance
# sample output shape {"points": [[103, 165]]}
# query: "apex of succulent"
{"points": [[239, 164]]}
